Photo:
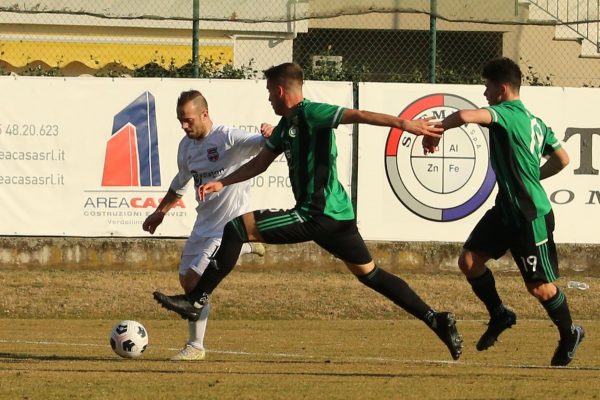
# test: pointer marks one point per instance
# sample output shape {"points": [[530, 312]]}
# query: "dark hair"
{"points": [[192, 95], [503, 70], [285, 72]]}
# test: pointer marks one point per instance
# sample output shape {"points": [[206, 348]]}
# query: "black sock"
{"points": [[558, 310], [398, 291], [223, 262], [484, 288]]}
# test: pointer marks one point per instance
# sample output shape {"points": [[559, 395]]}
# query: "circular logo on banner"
{"points": [[450, 183]]}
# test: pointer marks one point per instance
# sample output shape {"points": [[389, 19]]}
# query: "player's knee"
{"points": [[360, 270], [542, 291], [472, 264], [465, 262], [367, 278], [538, 294]]}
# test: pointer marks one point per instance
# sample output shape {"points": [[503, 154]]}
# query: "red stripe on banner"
{"points": [[121, 164], [391, 147]]}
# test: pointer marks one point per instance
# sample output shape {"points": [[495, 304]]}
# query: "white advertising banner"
{"points": [[94, 156], [404, 195]]}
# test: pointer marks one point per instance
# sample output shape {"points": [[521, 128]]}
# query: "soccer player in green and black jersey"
{"points": [[521, 219], [323, 212]]}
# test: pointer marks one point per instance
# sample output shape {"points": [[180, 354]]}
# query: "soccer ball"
{"points": [[129, 339]]}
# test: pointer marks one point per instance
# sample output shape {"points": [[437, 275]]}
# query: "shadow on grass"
{"points": [[25, 357]]}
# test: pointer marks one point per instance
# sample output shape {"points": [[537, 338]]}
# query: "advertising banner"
{"points": [[404, 195], [94, 156]]}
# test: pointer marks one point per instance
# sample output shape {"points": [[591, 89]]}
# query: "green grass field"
{"points": [[281, 335]]}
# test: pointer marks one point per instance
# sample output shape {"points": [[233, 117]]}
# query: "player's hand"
{"points": [[430, 144], [153, 221], [209, 187], [424, 126], [266, 129]]}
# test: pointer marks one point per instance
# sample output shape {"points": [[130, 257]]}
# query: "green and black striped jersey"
{"points": [[308, 142], [518, 142]]}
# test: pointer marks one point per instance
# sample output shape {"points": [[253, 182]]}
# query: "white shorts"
{"points": [[197, 253]]}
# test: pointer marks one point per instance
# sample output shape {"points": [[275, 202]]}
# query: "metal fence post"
{"points": [[433, 40], [196, 38], [355, 133]]}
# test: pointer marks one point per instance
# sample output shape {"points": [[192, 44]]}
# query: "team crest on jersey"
{"points": [[213, 154], [292, 132]]}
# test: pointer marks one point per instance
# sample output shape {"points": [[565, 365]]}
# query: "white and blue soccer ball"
{"points": [[129, 339]]}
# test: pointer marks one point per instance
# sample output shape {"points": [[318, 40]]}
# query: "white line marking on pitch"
{"points": [[388, 359], [53, 343], [307, 356]]}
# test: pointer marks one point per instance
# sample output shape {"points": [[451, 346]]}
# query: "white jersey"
{"points": [[215, 156]]}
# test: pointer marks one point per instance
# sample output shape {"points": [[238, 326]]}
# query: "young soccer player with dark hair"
{"points": [[323, 212], [522, 219]]}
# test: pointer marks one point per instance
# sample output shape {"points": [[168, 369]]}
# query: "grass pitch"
{"points": [[281, 335]]}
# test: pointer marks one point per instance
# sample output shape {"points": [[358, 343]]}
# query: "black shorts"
{"points": [[531, 244], [340, 238]]}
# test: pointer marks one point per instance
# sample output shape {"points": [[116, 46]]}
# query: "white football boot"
{"points": [[189, 353]]}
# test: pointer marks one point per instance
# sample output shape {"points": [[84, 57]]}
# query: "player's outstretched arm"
{"points": [[424, 126], [155, 219], [479, 116], [255, 166]]}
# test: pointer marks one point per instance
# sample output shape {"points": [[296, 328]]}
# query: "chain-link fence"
{"points": [[446, 41]]}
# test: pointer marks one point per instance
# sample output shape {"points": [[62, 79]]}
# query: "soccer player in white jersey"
{"points": [[207, 152]]}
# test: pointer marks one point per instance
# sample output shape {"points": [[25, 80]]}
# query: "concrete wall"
{"points": [[29, 253]]}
